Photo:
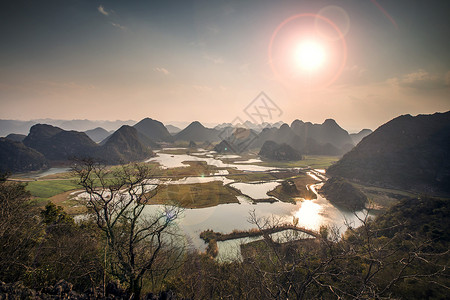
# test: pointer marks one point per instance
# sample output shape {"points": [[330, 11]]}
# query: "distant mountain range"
{"points": [[409, 153], [130, 143], [249, 125], [23, 127], [327, 138]]}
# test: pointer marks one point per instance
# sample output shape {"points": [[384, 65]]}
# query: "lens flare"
{"points": [[310, 55], [321, 62]]}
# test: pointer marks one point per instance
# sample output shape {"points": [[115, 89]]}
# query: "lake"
{"points": [[311, 214]]}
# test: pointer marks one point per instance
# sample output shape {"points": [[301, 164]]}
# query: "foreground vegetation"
{"points": [[403, 254]]}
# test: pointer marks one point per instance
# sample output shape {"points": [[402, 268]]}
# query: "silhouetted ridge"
{"points": [[411, 153], [154, 130], [124, 145]]}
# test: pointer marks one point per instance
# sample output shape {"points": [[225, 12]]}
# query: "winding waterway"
{"points": [[311, 214]]}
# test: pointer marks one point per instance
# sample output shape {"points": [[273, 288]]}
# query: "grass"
{"points": [[50, 188], [312, 161], [196, 195], [56, 191]]}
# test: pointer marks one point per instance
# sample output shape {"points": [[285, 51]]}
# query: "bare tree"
{"points": [[292, 268], [141, 244]]}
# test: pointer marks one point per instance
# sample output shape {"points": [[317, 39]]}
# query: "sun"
{"points": [[310, 55]]}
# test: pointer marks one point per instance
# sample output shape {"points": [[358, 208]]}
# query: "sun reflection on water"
{"points": [[309, 215]]}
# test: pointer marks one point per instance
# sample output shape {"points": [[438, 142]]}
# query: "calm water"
{"points": [[257, 190], [225, 218], [177, 160], [312, 214], [47, 172]]}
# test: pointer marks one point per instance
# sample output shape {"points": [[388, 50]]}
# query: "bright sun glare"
{"points": [[310, 55]]}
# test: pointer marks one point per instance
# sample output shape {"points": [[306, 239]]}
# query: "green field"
{"points": [[50, 188]]}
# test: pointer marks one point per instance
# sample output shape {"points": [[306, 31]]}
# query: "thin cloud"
{"points": [[215, 59], [421, 79], [118, 26], [447, 79], [213, 29], [161, 70], [202, 88], [102, 10]]}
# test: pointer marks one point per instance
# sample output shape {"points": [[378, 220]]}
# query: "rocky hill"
{"points": [[343, 194], [154, 130], [57, 144], [16, 157], [97, 134], [198, 133], [308, 138], [124, 146], [410, 153], [327, 132], [280, 152]]}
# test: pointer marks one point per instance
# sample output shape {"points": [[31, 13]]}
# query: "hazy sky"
{"points": [[207, 60]]}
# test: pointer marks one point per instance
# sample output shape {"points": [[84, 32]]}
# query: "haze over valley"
{"points": [[224, 150]]}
